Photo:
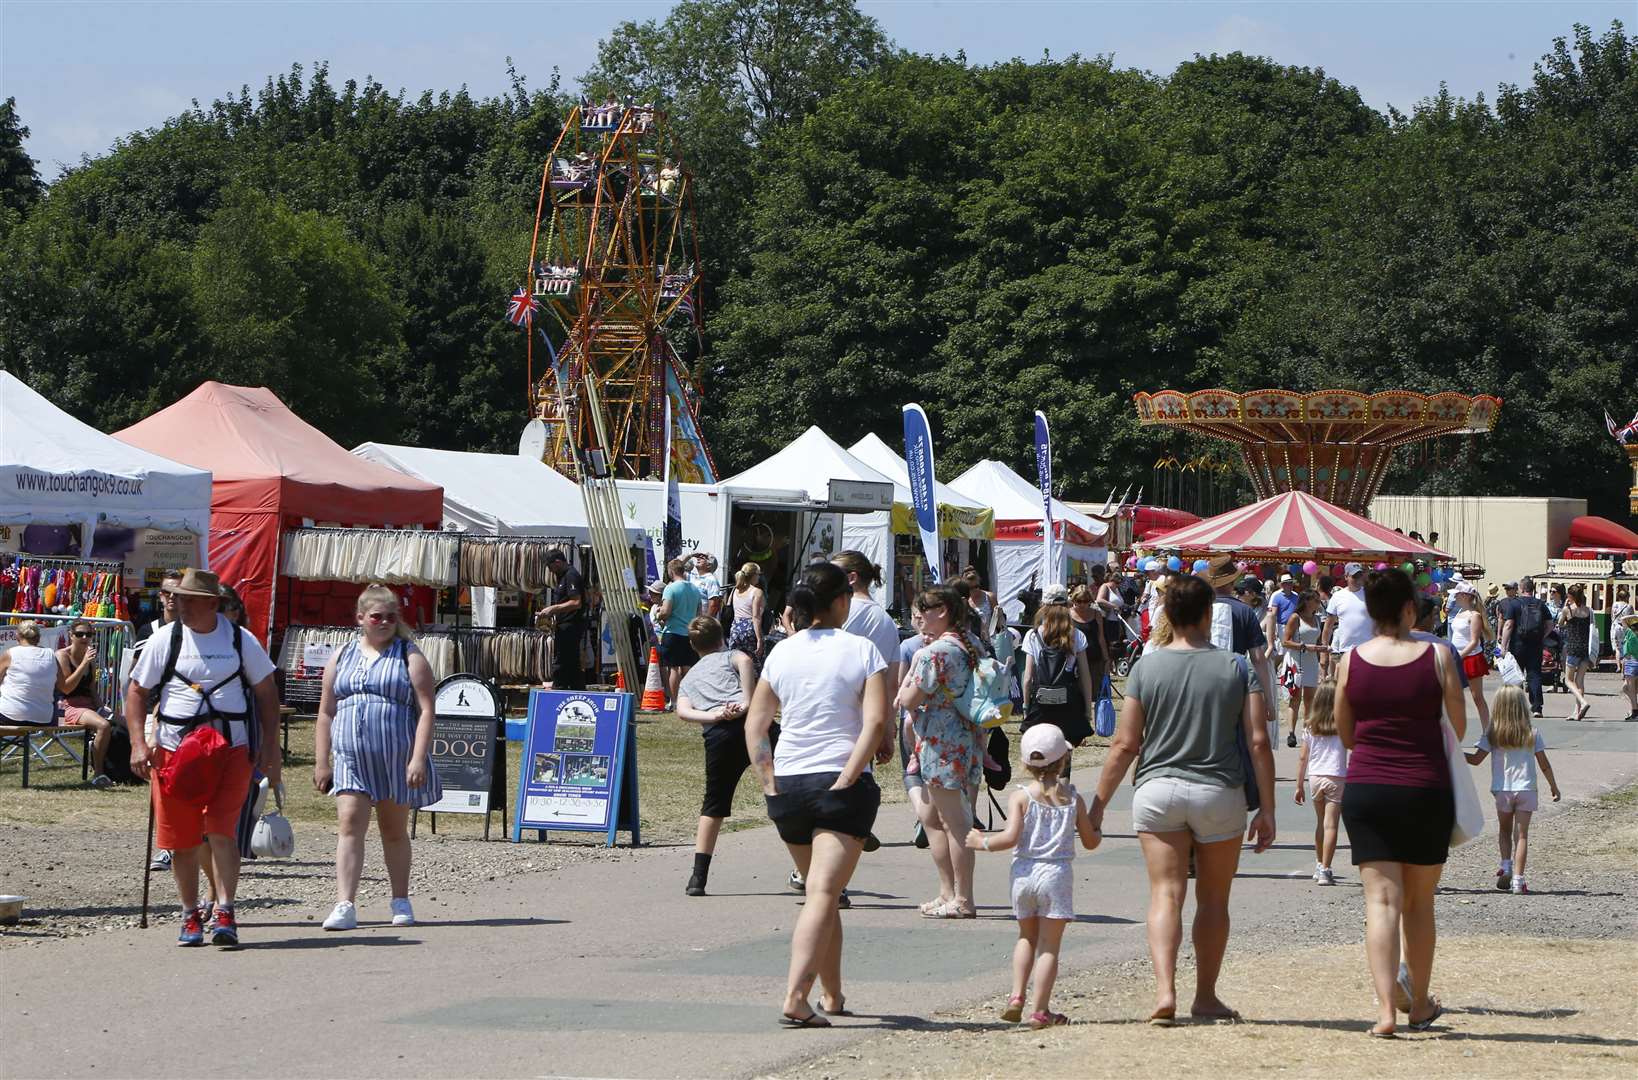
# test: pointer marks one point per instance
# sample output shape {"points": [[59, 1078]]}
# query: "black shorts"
{"points": [[1393, 823], [726, 760], [675, 651], [805, 804], [9, 722]]}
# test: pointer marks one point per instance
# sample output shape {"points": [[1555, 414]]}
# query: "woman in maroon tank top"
{"points": [[1397, 804]]}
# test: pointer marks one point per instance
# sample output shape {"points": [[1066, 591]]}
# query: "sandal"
{"points": [[1163, 1018], [949, 910], [933, 905], [812, 1020], [1014, 1011], [1427, 1022], [1040, 1020], [1375, 1034], [1230, 1017]]}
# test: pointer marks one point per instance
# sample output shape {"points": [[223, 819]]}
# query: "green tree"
{"points": [[19, 180]]}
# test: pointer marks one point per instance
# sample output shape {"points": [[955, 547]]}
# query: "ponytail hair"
{"points": [[855, 562], [821, 585], [747, 576], [381, 596]]}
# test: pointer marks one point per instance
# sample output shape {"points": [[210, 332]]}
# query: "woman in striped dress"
{"points": [[372, 744]]}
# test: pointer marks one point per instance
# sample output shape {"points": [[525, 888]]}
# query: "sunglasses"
{"points": [[382, 617], [82, 633]]}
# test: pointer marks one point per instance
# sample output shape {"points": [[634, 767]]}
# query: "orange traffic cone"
{"points": [[653, 686], [619, 680]]}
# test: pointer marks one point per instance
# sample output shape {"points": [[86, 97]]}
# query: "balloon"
{"points": [[1339, 571], [1423, 579], [1242, 566], [1201, 566], [1408, 567], [1174, 563], [1381, 566], [1310, 567], [1131, 562]]}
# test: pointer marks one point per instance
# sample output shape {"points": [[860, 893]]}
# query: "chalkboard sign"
{"points": [[579, 765], [465, 743]]}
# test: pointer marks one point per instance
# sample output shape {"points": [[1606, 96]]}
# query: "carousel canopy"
{"points": [[1295, 523]]}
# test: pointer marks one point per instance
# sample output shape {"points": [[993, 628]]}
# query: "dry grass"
{"points": [[1524, 1007]]}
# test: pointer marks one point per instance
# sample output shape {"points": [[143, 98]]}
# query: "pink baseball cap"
{"points": [[1043, 744]]}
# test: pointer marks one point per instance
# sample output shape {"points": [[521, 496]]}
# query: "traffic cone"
{"points": [[619, 681], [653, 686]]}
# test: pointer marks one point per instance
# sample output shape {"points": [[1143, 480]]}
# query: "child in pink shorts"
{"points": [[1324, 761], [1518, 749]]}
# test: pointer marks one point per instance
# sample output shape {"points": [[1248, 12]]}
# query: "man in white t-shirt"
{"points": [[703, 576], [215, 667], [1348, 625]]}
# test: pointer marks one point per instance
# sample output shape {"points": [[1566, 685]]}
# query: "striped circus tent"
{"points": [[1291, 524]]}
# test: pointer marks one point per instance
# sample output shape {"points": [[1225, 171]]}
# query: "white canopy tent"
{"points": [[1018, 526], [55, 470], [877, 528], [808, 464], [495, 495]]}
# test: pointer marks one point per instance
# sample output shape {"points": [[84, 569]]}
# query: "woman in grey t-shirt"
{"points": [[1187, 707]]}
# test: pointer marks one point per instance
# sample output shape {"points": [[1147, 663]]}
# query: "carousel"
{"points": [[1332, 444]]}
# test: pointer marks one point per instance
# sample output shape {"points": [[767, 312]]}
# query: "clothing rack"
{"points": [[432, 557], [506, 654]]}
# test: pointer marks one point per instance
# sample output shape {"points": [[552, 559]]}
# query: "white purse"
{"points": [[273, 838]]}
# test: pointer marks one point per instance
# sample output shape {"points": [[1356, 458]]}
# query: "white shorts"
{"points": [[1212, 812], [1043, 889]]}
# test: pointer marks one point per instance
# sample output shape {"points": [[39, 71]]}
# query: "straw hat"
{"points": [[197, 583], [1221, 571]]}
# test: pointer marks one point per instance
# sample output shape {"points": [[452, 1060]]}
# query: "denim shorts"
{"points": [[805, 804], [1211, 812]]}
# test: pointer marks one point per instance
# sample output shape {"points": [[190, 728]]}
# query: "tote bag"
{"points": [[1469, 822], [1104, 724]]}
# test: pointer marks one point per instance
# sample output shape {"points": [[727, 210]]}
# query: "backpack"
{"points": [[984, 699], [1055, 679], [194, 769], [1528, 623]]}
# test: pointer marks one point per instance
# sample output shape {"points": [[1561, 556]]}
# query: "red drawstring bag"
{"points": [[193, 771]]}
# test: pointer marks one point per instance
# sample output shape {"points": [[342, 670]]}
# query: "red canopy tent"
{"points": [[1594, 537], [272, 470], [1291, 524]]}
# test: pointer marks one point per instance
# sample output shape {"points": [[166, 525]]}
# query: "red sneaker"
{"points": [[224, 930], [193, 928]]}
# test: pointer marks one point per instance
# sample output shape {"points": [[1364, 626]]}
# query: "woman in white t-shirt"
{"points": [[829, 688]]}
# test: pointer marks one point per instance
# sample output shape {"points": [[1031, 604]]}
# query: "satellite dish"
{"points": [[532, 443]]}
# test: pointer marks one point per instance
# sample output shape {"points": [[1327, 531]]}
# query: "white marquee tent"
{"points": [[55, 470], [1018, 527]]}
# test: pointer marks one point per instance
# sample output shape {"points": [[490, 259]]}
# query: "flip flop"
{"points": [[1165, 1019], [1230, 1017], [1014, 1011], [1423, 1025], [1375, 1034], [842, 1011], [812, 1020]]}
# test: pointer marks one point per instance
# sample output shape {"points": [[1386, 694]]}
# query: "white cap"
{"points": [[1043, 744], [1285, 578], [1353, 568]]}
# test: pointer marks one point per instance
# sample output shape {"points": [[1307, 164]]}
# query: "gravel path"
{"points": [[81, 881]]}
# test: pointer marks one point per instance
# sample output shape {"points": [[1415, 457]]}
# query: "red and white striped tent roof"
{"points": [[1294, 523]]}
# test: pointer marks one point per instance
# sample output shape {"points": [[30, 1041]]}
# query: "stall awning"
{"points": [[1016, 504], [1291, 524]]}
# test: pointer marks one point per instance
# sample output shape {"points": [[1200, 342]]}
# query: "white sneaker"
{"points": [[1325, 877], [402, 913], [343, 917], [1319, 876]]}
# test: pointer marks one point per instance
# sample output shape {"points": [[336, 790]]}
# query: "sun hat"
{"points": [[196, 583], [1221, 571], [1055, 594], [1043, 744]]}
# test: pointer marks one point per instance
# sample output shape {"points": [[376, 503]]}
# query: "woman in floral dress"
{"points": [[949, 748]]}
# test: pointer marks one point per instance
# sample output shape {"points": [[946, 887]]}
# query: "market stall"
{"points": [[273, 472], [1294, 525], [1019, 519], [85, 493], [965, 528]]}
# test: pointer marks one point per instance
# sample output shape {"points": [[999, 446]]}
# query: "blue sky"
{"points": [[85, 73]]}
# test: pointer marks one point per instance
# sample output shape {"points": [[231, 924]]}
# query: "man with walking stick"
{"points": [[205, 671]]}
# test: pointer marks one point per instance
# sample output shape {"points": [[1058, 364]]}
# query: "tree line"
{"points": [[880, 226]]}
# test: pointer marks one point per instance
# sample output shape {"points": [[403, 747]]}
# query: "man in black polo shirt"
{"points": [[568, 609], [1524, 631]]}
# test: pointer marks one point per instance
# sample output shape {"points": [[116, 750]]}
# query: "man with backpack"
{"points": [[206, 740], [1524, 630]]}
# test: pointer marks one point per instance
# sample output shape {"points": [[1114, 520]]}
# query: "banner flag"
{"points": [[1043, 469], [673, 497], [918, 459]]}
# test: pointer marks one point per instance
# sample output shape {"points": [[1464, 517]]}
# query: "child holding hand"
{"points": [[1518, 749], [1324, 763], [1043, 819]]}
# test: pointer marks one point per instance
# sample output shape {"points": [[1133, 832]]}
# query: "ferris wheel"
{"points": [[614, 266]]}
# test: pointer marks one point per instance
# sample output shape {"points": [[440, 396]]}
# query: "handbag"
{"points": [[1511, 673], [1104, 723], [1469, 820], [273, 838]]}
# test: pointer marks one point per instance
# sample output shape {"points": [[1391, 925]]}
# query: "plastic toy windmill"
{"points": [[1333, 444]]}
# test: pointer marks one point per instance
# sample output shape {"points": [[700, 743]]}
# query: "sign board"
{"points": [[157, 551], [578, 768], [314, 657], [463, 744], [860, 495]]}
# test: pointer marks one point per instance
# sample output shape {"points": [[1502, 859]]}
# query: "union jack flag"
{"points": [[1622, 435], [520, 310]]}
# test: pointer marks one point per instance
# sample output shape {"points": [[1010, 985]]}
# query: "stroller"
{"points": [[1552, 662]]}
